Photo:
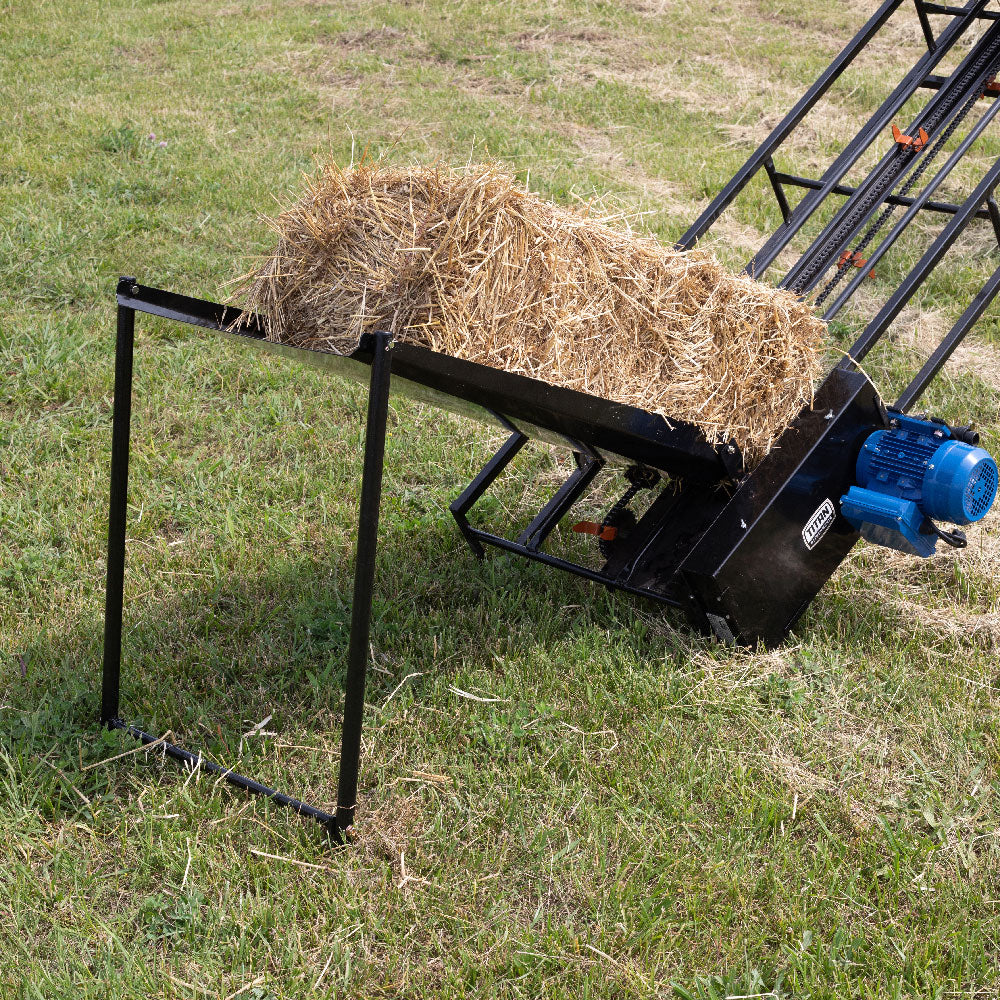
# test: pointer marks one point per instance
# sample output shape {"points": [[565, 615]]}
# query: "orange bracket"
{"points": [[605, 533], [991, 87], [916, 144], [847, 258]]}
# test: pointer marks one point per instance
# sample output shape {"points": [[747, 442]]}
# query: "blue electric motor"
{"points": [[915, 473]]}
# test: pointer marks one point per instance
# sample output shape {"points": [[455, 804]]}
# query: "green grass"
{"points": [[637, 811]]}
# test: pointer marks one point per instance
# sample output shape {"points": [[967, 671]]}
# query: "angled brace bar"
{"points": [[544, 522], [487, 476], [779, 191], [925, 25], [371, 491]]}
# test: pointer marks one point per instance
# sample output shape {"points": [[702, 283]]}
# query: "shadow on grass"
{"points": [[212, 661]]}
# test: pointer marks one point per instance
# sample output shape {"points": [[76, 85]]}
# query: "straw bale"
{"points": [[468, 263]]}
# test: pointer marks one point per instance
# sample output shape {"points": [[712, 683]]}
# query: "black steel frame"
{"points": [[336, 824], [531, 409], [920, 76], [541, 526]]}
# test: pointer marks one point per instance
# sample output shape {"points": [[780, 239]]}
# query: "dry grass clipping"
{"points": [[470, 264]]}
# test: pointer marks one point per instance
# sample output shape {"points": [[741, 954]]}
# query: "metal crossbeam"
{"points": [[544, 522]]}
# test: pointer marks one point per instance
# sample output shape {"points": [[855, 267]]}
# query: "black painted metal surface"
{"points": [[364, 579], [558, 416], [197, 762], [743, 554], [759, 565], [875, 127], [115, 581]]}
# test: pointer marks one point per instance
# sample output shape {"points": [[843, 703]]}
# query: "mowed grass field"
{"points": [[625, 808]]}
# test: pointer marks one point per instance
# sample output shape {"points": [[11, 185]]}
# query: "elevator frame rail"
{"points": [[742, 552]]}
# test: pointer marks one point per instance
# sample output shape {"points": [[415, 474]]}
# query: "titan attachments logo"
{"points": [[819, 524]]}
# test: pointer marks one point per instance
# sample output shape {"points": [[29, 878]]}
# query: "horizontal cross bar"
{"points": [[947, 207], [196, 761], [940, 8], [570, 567], [935, 82]]}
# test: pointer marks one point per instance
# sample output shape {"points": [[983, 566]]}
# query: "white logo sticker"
{"points": [[819, 524]]}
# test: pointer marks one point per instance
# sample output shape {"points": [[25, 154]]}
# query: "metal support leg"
{"points": [[364, 579], [925, 25], [371, 492], [479, 485], [566, 496], [779, 191], [114, 589]]}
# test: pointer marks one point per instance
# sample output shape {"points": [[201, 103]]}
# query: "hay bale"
{"points": [[470, 264]]}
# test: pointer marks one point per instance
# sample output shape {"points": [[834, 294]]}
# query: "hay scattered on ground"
{"points": [[470, 264]]}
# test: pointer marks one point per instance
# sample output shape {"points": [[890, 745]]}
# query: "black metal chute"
{"points": [[563, 417]]}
